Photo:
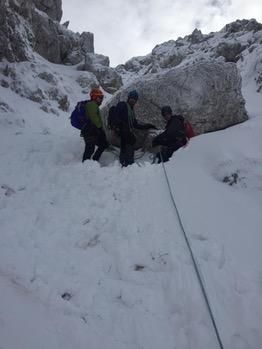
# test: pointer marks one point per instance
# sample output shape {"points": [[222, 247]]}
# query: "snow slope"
{"points": [[93, 256]]}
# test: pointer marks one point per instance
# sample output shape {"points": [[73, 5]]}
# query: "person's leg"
{"points": [[126, 156], [130, 152], [90, 140], [167, 152], [122, 155], [89, 148], [102, 145]]}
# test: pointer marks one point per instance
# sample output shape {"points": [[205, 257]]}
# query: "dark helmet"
{"points": [[166, 110], [133, 94]]}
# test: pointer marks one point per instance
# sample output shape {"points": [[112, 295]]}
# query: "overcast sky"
{"points": [[124, 29]]}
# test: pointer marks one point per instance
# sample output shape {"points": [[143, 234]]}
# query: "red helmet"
{"points": [[96, 92]]}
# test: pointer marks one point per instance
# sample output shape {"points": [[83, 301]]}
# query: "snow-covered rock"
{"points": [[206, 93], [53, 8], [229, 44]]}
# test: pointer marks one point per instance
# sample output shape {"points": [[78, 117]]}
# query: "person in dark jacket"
{"points": [[93, 132], [174, 136], [127, 124]]}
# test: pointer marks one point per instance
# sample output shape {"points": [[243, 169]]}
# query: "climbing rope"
{"points": [[196, 266]]}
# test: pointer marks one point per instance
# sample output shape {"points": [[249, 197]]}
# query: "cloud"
{"points": [[124, 29]]}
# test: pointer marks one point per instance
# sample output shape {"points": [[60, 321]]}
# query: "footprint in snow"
{"points": [[9, 190], [91, 243], [199, 237]]}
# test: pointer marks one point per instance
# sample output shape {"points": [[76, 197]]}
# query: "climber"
{"points": [[127, 123], [93, 132], [174, 136]]}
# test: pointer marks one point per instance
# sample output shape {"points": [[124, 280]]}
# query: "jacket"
{"points": [[127, 118], [174, 134], [93, 113]]}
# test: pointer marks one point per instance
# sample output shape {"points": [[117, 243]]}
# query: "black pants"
{"points": [[127, 148], [167, 151], [94, 137]]}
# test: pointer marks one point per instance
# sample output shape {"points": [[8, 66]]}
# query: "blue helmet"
{"points": [[133, 94]]}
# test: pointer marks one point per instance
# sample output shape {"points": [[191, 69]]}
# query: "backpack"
{"points": [[113, 120], [78, 117], [189, 129]]}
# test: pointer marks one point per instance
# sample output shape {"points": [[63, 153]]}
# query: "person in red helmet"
{"points": [[93, 132]]}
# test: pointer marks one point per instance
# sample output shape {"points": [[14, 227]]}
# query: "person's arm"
{"points": [[160, 139], [169, 135], [146, 126]]}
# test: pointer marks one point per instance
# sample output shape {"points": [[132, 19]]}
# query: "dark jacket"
{"points": [[127, 119], [174, 134]]}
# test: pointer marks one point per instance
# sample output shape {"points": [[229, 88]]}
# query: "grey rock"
{"points": [[87, 42], [33, 26], [14, 42], [73, 58], [53, 8], [92, 59], [87, 80], [242, 25], [36, 96], [230, 51], [196, 36], [64, 103], [48, 77], [46, 40], [4, 83], [107, 77], [70, 50], [53, 93], [66, 24]]}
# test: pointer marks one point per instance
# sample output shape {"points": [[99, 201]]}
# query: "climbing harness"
{"points": [[196, 266]]}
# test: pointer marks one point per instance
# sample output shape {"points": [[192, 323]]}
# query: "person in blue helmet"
{"points": [[127, 124]]}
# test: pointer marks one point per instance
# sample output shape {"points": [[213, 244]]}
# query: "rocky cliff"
{"points": [[32, 26]]}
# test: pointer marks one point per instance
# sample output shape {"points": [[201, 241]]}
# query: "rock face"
{"points": [[53, 8], [208, 94], [14, 38], [29, 26], [228, 45], [230, 51], [109, 79]]}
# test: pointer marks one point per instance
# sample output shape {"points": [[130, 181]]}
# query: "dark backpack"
{"points": [[113, 120], [78, 117]]}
